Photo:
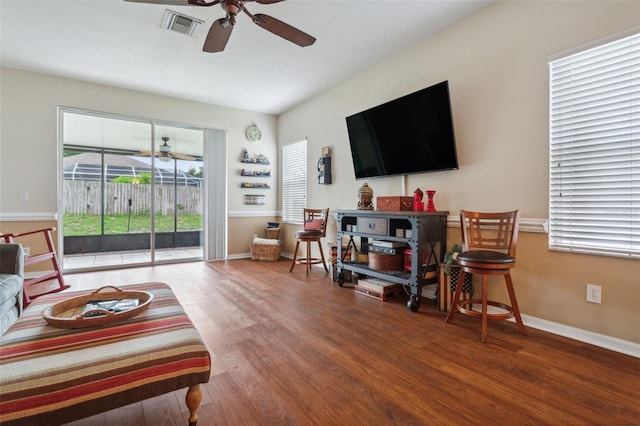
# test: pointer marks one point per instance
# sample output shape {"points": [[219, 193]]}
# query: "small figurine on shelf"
{"points": [[365, 197], [418, 205], [245, 155]]}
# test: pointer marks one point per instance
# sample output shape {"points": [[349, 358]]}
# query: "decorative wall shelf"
{"points": [[262, 161], [253, 158], [255, 185], [254, 173], [255, 199]]}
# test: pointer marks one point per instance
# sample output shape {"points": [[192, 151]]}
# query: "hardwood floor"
{"points": [[291, 350]]}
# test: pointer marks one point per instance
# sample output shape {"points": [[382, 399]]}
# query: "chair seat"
{"points": [[484, 256], [309, 234]]}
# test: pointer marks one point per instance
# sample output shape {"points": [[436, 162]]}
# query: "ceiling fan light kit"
{"points": [[165, 148], [221, 29]]}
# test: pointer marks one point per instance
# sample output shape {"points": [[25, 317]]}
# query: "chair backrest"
{"points": [[319, 217], [490, 231]]}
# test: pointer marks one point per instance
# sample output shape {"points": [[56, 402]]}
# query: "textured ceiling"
{"points": [[121, 44]]}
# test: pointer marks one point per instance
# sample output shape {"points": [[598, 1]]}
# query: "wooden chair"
{"points": [[50, 254], [315, 228], [488, 248]]}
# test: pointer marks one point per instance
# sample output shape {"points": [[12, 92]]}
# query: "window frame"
{"points": [[594, 148], [294, 181]]}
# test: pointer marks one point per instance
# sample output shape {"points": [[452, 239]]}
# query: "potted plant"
{"points": [[449, 258]]}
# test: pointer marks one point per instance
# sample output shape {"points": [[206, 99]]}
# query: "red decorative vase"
{"points": [[430, 206]]}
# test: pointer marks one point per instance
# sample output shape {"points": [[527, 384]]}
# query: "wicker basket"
{"points": [[273, 233], [266, 252]]}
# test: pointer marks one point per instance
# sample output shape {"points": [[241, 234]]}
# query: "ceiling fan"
{"points": [[164, 153], [220, 31]]}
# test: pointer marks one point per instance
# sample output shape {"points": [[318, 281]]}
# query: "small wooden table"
{"points": [[52, 375]]}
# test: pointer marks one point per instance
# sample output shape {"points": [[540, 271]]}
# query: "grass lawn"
{"points": [[82, 224]]}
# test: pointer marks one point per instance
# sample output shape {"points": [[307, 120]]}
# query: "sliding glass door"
{"points": [[132, 190]]}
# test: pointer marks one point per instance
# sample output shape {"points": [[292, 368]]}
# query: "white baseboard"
{"points": [[601, 340], [239, 256]]}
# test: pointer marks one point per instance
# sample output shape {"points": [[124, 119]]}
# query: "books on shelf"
{"points": [[379, 289], [430, 271], [374, 283], [386, 250], [389, 244]]}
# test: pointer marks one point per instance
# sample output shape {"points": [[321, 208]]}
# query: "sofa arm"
{"points": [[12, 259]]}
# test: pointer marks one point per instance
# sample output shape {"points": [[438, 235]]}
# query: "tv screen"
{"points": [[411, 134]]}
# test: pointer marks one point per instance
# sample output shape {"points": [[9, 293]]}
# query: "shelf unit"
{"points": [[427, 240], [258, 172]]}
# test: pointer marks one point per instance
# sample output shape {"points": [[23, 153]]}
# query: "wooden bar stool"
{"points": [[488, 248], [315, 228]]}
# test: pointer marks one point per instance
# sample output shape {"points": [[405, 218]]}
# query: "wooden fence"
{"points": [[84, 197]]}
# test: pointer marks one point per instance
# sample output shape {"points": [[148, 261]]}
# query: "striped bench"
{"points": [[50, 375]]}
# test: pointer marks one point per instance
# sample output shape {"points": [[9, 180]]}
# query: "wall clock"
{"points": [[253, 134]]}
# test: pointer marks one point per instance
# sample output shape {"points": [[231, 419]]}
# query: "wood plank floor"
{"points": [[292, 350]]}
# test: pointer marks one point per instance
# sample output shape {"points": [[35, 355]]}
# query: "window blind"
{"points": [[294, 182], [594, 173]]}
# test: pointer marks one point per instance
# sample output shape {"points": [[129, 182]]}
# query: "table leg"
{"points": [[193, 399]]}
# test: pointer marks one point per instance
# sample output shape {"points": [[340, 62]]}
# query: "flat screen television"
{"points": [[411, 134]]}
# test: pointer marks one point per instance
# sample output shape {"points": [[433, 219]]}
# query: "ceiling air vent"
{"points": [[180, 23]]}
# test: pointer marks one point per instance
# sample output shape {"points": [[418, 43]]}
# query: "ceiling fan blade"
{"points": [[182, 156], [283, 30], [218, 36], [170, 2], [148, 154]]}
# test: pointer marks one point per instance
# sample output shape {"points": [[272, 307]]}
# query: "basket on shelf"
{"points": [[265, 249], [273, 233]]}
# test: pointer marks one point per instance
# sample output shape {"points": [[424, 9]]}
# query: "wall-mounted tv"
{"points": [[411, 134]]}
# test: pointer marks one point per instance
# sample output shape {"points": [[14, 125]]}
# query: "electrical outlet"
{"points": [[594, 293]]}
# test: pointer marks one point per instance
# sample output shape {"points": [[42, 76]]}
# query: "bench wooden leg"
{"points": [[193, 399]]}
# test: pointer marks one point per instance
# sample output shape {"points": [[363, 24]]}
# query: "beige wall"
{"points": [[29, 148], [242, 230], [496, 64], [28, 136]]}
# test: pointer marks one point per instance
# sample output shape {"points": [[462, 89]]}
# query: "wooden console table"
{"points": [[428, 241]]}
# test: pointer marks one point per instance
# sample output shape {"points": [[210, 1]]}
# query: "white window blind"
{"points": [[294, 181], [594, 196]]}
